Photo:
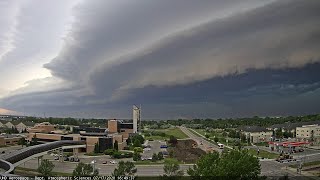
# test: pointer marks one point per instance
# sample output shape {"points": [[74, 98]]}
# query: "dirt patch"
{"points": [[183, 151]]}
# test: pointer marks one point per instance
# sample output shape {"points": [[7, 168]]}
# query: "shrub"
{"points": [[154, 157], [136, 156], [138, 149], [117, 155], [109, 152]]}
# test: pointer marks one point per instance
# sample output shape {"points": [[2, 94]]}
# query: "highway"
{"points": [[202, 143]]}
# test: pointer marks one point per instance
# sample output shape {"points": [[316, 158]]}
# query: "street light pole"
{"points": [[93, 162]]}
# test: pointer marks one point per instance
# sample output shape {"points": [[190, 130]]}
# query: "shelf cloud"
{"points": [[116, 53]]}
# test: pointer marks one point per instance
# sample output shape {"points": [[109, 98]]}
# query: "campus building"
{"points": [[9, 139], [309, 133], [256, 134], [116, 131], [44, 127]]}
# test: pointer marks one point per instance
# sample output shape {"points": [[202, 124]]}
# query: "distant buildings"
{"points": [[19, 125], [44, 127]]}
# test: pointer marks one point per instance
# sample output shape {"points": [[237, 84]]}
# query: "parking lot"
{"points": [[154, 148]]}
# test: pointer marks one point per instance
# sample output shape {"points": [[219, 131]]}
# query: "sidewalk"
{"points": [[293, 171], [314, 147]]}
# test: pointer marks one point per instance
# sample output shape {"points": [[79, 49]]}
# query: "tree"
{"points": [[139, 138], [129, 141], [136, 143], [279, 133], [172, 169], [216, 139], [207, 135], [136, 156], [83, 169], [45, 167], [236, 164], [96, 148], [125, 169], [160, 156], [138, 149], [312, 136], [34, 140], [115, 145], [117, 155], [173, 140], [154, 157], [22, 142]]}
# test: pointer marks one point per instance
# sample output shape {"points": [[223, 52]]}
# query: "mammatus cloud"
{"points": [[110, 56]]}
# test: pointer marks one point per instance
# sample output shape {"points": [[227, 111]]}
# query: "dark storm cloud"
{"points": [[187, 59]]}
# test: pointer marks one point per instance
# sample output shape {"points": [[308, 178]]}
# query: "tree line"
{"points": [[234, 122]]}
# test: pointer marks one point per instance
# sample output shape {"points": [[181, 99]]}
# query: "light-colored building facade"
{"points": [[308, 133], [256, 134], [9, 140], [44, 127], [136, 116], [263, 136]]}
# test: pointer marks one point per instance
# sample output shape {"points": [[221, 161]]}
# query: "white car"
{"points": [[113, 162]]}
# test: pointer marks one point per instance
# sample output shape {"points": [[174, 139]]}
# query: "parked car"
{"points": [[56, 157], [163, 146], [76, 160], [113, 162], [71, 159], [66, 158], [301, 150], [105, 162]]}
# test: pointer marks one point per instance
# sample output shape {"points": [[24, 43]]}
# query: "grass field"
{"points": [[264, 154], [176, 132], [33, 172]]}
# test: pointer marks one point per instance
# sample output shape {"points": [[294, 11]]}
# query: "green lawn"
{"points": [[176, 132], [32, 172], [168, 132], [200, 131], [156, 138], [147, 162], [263, 153]]}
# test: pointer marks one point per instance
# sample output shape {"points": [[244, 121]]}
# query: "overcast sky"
{"points": [[177, 58]]}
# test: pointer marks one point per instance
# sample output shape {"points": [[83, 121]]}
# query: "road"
{"points": [[202, 143], [104, 169], [269, 168]]}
